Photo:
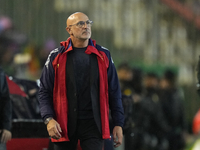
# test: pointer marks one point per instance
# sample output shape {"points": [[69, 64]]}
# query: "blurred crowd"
{"points": [[154, 110], [19, 57]]}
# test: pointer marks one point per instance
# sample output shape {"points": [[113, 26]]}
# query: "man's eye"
{"points": [[81, 23], [88, 22]]}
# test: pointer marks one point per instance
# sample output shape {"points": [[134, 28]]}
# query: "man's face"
{"points": [[77, 31], [151, 82]]}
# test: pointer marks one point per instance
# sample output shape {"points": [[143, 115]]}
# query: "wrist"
{"points": [[47, 120]]}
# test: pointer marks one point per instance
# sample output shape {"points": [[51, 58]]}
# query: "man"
{"points": [[5, 112], [147, 116], [172, 105], [78, 85], [125, 75]]}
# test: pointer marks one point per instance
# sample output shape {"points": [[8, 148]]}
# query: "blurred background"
{"points": [[151, 35]]}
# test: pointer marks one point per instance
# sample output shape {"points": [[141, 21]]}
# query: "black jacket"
{"points": [[5, 103]]}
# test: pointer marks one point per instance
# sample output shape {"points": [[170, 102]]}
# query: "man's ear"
{"points": [[68, 29]]}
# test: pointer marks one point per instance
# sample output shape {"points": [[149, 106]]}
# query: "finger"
{"points": [[9, 136], [3, 138], [53, 133], [58, 136], [117, 145], [55, 137], [6, 138], [120, 139], [59, 128], [114, 137], [56, 133]]}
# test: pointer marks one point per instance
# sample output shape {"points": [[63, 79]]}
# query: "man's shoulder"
{"points": [[101, 48], [53, 54], [56, 51], [106, 51]]}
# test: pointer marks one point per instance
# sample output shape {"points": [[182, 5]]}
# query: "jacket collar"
{"points": [[91, 48]]}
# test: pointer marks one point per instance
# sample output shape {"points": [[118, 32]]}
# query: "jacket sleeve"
{"points": [[115, 98], [5, 102], [45, 94]]}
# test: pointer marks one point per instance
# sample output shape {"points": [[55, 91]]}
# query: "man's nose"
{"points": [[85, 25]]}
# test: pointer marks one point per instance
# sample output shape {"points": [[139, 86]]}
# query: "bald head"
{"points": [[79, 29], [73, 18]]}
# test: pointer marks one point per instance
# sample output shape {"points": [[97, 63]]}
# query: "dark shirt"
{"points": [[81, 62]]}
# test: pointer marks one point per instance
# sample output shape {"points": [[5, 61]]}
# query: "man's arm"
{"points": [[115, 97], [46, 98], [115, 102], [45, 94]]}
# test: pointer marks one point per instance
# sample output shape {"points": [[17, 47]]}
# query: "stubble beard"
{"points": [[85, 35]]}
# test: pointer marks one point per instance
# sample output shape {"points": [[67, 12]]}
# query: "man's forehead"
{"points": [[77, 17]]}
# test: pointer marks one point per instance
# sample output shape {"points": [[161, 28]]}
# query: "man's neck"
{"points": [[80, 43]]}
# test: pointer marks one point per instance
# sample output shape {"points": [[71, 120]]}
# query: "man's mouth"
{"points": [[86, 32]]}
